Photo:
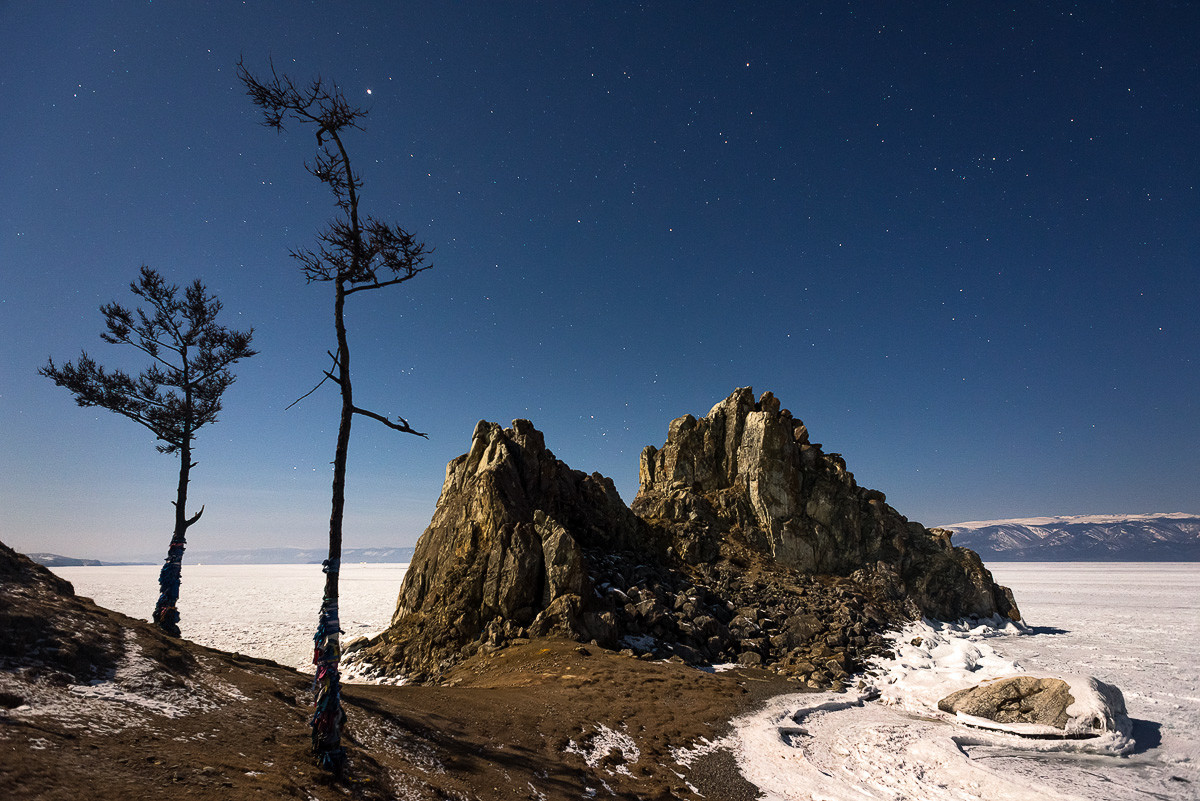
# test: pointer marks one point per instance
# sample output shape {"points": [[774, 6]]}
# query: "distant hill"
{"points": [[54, 560], [1084, 538], [253, 556], [296, 556]]}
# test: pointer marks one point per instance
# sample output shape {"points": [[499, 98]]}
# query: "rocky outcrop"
{"points": [[40, 631], [503, 556], [746, 544], [747, 476], [60, 650]]}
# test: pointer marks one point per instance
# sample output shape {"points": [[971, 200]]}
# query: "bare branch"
{"points": [[381, 284], [191, 520], [401, 426], [311, 391]]}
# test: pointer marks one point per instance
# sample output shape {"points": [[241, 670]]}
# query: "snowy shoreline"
{"points": [[1134, 625]]}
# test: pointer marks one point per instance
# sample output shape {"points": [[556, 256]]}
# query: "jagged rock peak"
{"points": [[509, 474], [748, 476], [502, 556], [712, 453]]}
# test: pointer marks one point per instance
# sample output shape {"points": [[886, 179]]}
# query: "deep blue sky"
{"points": [[959, 241]]}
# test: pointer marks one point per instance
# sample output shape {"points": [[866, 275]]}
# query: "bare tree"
{"points": [[174, 397], [355, 254]]}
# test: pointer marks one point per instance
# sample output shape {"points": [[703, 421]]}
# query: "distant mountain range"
{"points": [[1084, 538], [297, 556], [255, 556]]}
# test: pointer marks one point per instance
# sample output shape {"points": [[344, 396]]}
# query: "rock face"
{"points": [[748, 475], [503, 555], [746, 544]]}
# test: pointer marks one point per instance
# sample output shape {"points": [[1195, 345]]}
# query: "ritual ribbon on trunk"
{"points": [[328, 717], [166, 616]]}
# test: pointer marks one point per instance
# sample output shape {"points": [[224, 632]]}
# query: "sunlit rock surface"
{"points": [[1080, 706], [502, 555], [748, 473]]}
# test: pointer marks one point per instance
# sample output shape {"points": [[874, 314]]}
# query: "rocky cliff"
{"points": [[503, 556], [748, 477], [745, 543]]}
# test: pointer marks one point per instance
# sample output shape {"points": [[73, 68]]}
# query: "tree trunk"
{"points": [[166, 616], [329, 716]]}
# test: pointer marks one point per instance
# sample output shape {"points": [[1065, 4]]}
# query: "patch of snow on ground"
{"points": [[598, 745], [135, 691], [686, 757], [642, 643], [137, 682], [932, 660]]}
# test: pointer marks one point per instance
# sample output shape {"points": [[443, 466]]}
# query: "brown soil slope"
{"points": [[94, 704]]}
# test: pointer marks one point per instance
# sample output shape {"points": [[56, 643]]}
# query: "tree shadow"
{"points": [[461, 755]]}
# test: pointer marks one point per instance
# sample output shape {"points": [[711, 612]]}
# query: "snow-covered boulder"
{"points": [[1072, 706]]}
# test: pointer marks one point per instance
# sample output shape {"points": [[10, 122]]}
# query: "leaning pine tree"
{"points": [[355, 254], [174, 397]]}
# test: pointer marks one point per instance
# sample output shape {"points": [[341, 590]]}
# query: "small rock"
{"points": [[749, 659]]}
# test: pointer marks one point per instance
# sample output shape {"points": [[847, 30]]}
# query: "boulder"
{"points": [[747, 476], [1073, 707], [1020, 699]]}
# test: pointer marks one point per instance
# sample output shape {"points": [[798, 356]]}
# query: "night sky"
{"points": [[959, 241]]}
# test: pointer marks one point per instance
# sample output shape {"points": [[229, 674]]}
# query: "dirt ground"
{"points": [[161, 718]]}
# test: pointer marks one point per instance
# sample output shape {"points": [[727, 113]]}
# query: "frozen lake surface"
{"points": [[268, 611], [1133, 625], [1136, 625]]}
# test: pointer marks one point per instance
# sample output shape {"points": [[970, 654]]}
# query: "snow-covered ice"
{"points": [[933, 660], [1136, 626]]}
